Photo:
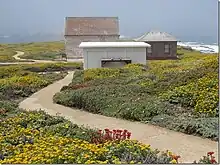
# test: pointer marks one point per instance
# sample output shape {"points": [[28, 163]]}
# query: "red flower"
{"points": [[106, 130], [128, 135], [100, 132], [210, 153], [213, 161], [108, 135]]}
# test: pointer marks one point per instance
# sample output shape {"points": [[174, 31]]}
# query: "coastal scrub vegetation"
{"points": [[36, 137], [19, 81], [6, 53], [33, 51], [181, 95]]}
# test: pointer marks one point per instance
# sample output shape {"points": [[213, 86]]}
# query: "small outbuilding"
{"points": [[163, 45], [113, 54]]}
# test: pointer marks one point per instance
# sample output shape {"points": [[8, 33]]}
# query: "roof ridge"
{"points": [[156, 36], [90, 17]]}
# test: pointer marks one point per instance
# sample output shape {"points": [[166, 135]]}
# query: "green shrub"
{"points": [[50, 67], [17, 83], [8, 108], [99, 73], [205, 127], [128, 102], [42, 56], [202, 95]]}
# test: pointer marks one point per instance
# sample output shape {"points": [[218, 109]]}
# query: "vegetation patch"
{"points": [[50, 56], [36, 137], [6, 53], [184, 89], [20, 81], [35, 51]]}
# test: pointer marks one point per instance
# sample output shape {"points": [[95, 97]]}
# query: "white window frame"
{"points": [[149, 50], [167, 48]]}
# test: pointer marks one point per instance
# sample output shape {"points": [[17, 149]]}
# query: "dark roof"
{"points": [[156, 36], [91, 26]]}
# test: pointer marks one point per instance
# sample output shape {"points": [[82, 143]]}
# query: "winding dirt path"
{"points": [[24, 61], [16, 56], [189, 147]]}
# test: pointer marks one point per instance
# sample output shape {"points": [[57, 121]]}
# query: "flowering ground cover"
{"points": [[36, 137], [181, 95]]}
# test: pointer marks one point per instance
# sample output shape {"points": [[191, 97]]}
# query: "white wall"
{"points": [[93, 56]]}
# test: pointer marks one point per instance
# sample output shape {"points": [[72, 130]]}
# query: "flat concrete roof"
{"points": [[113, 44]]}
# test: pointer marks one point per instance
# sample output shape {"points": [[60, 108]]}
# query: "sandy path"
{"points": [[23, 61]]}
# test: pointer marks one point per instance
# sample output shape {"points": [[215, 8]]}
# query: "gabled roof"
{"points": [[156, 36], [91, 26]]}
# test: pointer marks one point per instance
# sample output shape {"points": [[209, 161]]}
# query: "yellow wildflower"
{"points": [[173, 161]]}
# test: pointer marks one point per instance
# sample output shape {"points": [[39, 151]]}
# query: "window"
{"points": [[102, 38], [149, 50], [167, 48]]}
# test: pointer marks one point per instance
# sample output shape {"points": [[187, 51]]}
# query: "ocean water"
{"points": [[203, 48]]}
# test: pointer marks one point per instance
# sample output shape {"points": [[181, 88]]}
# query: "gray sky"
{"points": [[183, 18]]}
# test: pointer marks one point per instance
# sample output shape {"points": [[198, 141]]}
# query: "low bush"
{"points": [[42, 56], [202, 95], [205, 127], [100, 73], [8, 108], [23, 86], [129, 102], [50, 67], [25, 69], [6, 53]]}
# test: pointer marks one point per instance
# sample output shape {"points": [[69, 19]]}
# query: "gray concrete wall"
{"points": [[72, 43]]}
